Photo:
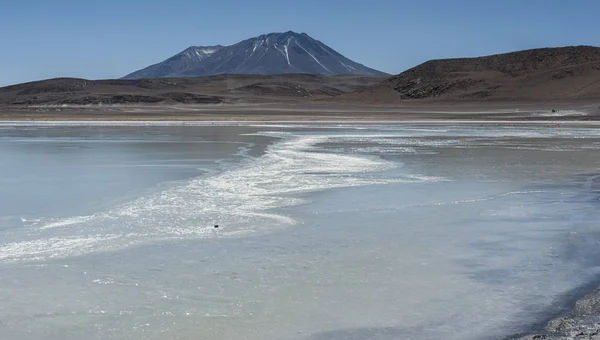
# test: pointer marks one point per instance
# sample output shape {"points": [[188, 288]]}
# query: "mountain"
{"points": [[564, 73], [188, 58], [274, 53]]}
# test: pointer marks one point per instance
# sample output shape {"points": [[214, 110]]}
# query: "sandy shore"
{"points": [[475, 112]]}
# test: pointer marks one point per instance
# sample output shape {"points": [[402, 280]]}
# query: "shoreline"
{"points": [[242, 122], [323, 112]]}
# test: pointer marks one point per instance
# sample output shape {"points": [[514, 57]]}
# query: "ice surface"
{"points": [[334, 232], [240, 200]]}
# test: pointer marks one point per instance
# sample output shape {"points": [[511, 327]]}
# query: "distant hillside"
{"points": [[199, 90], [565, 73], [273, 53]]}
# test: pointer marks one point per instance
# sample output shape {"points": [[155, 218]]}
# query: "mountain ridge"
{"points": [[271, 53], [182, 60]]}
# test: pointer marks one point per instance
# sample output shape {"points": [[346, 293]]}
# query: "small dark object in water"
{"points": [[216, 225]]}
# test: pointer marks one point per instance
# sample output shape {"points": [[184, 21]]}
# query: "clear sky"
{"points": [[110, 38]]}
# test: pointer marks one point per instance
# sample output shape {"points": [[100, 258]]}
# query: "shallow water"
{"points": [[325, 232]]}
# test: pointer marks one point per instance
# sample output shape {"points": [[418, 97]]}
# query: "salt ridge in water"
{"points": [[240, 200]]}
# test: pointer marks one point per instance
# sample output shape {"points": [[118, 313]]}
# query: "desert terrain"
{"points": [[555, 84]]}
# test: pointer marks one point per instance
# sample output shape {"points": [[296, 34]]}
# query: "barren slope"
{"points": [[566, 73], [200, 90]]}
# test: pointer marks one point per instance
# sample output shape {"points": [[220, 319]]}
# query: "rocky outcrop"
{"points": [[582, 324]]}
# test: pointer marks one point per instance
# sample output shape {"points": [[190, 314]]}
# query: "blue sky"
{"points": [[110, 38]]}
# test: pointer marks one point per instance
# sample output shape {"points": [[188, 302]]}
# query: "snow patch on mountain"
{"points": [[312, 56]]}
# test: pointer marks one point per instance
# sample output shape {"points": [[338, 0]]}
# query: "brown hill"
{"points": [[566, 73], [200, 90]]}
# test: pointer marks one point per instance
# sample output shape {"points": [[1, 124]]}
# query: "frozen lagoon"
{"points": [[326, 231]]}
